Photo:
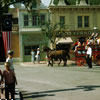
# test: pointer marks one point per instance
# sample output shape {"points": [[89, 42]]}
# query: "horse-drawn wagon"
{"points": [[96, 53], [80, 55]]}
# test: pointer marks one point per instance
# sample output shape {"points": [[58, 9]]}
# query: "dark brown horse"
{"points": [[58, 55]]}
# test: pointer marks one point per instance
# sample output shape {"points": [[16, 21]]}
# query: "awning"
{"points": [[67, 40]]}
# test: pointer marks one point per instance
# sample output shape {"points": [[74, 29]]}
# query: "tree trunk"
{"points": [[53, 45]]}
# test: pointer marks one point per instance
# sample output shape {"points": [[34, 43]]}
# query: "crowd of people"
{"points": [[8, 77], [94, 39]]}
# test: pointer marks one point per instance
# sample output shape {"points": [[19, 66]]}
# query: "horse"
{"points": [[56, 55]]}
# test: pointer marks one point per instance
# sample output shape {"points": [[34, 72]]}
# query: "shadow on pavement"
{"points": [[27, 95], [48, 93]]}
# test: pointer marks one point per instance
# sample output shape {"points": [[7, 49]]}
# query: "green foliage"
{"points": [[56, 2], [94, 2], [53, 32], [28, 3], [73, 2]]}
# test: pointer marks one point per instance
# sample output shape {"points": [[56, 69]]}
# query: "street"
{"points": [[40, 82]]}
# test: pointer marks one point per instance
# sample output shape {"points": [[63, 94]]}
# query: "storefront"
{"points": [[32, 41]]}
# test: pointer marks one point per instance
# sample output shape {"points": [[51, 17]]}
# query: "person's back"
{"points": [[10, 59], [9, 76]]}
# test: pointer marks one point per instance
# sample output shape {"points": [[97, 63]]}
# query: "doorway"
{"points": [[2, 53]]}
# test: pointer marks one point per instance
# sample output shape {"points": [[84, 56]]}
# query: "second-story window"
{"points": [[62, 20], [15, 20], [42, 19], [79, 21], [83, 21], [34, 20], [26, 20], [86, 21]]}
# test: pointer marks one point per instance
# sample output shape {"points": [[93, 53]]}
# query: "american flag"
{"points": [[6, 40]]}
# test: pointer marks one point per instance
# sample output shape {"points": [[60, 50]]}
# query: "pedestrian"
{"points": [[1, 82], [79, 44], [75, 44], [33, 56], [10, 80], [38, 55], [1, 77], [10, 59], [89, 56]]}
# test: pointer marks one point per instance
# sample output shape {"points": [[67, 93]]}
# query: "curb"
{"points": [[43, 62]]}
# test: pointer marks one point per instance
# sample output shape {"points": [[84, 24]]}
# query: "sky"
{"points": [[46, 2]]}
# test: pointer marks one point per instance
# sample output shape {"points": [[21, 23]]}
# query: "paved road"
{"points": [[39, 82]]}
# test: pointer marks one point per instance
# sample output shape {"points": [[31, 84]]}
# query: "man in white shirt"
{"points": [[89, 56]]}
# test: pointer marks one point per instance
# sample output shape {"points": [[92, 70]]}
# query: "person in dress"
{"points": [[33, 56], [38, 55]]}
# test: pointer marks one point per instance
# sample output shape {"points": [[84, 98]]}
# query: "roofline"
{"points": [[76, 6]]}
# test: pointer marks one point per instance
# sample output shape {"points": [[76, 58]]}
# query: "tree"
{"points": [[5, 4], [28, 3], [54, 32]]}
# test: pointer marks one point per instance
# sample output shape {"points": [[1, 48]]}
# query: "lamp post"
{"points": [[95, 29]]}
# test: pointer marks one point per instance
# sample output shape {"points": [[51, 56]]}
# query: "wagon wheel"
{"points": [[98, 59], [80, 61], [98, 62]]}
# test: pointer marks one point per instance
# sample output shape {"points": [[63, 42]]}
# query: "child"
{"points": [[10, 80], [10, 59]]}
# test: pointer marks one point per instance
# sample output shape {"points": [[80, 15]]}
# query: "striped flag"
{"points": [[6, 40]]}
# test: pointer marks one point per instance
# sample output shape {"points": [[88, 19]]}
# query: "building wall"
{"points": [[15, 45], [30, 36], [72, 12], [15, 34], [34, 41]]}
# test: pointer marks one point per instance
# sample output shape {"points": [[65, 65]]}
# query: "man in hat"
{"points": [[10, 59], [89, 56]]}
